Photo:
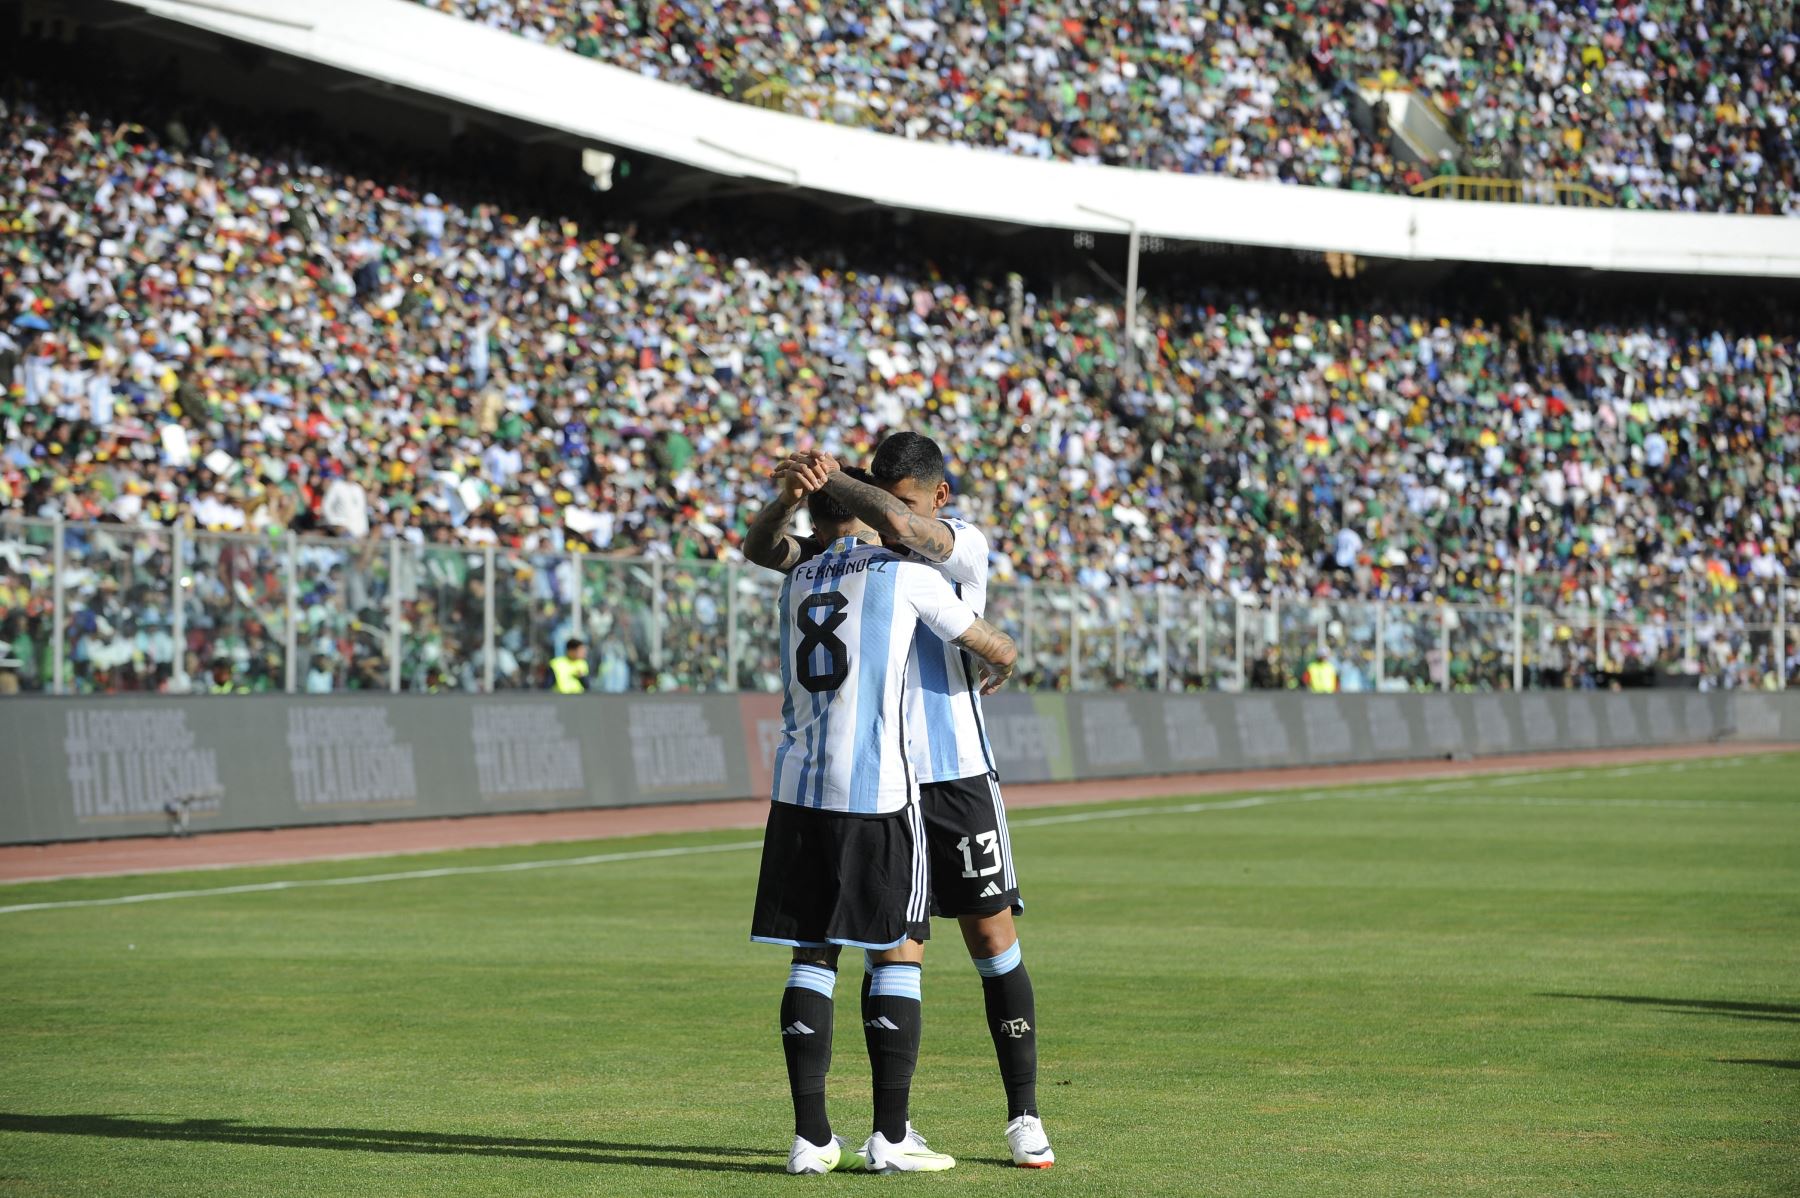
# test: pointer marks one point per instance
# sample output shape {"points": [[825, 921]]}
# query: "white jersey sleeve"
{"points": [[934, 601], [967, 564]]}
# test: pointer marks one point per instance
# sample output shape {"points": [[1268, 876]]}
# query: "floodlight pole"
{"points": [[59, 618], [1237, 638], [487, 620], [1444, 646], [1129, 366], [1026, 660], [1162, 638], [1075, 594], [1518, 629], [1203, 618], [291, 639], [1380, 644], [178, 612], [1687, 623], [1781, 633], [731, 626], [575, 578], [393, 615]]}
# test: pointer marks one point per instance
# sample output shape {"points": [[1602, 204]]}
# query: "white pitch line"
{"points": [[1266, 799], [407, 876], [1262, 799], [1628, 771], [642, 855], [1555, 801]]}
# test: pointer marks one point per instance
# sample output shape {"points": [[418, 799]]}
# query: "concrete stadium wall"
{"points": [[86, 768]]}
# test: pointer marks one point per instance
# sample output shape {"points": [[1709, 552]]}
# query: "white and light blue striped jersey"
{"points": [[847, 623], [948, 740]]}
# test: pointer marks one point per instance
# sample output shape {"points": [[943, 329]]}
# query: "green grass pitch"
{"points": [[1567, 983]]}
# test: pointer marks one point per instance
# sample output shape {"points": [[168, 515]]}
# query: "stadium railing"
{"points": [[101, 608], [1496, 189]]}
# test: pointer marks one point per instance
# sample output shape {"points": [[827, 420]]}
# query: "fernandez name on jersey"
{"points": [[847, 622]]}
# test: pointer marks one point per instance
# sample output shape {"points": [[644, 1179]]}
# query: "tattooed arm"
{"points": [[768, 542], [926, 536], [996, 650]]}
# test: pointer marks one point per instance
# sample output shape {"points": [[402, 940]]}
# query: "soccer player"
{"points": [[972, 873], [844, 857]]}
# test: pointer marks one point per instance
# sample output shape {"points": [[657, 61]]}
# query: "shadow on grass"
{"points": [[1762, 1011], [365, 1139], [1755, 1061]]}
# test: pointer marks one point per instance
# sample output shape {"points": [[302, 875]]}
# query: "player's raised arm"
{"points": [[768, 542], [896, 523]]}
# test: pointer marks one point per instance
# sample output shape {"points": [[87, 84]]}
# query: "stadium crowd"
{"points": [[1657, 105], [193, 332]]}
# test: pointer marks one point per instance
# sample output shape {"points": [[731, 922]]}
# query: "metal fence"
{"points": [[107, 608]]}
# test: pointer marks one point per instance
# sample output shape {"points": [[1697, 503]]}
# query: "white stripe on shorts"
{"points": [[915, 905], [1006, 858]]}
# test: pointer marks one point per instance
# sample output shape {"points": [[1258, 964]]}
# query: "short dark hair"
{"points": [[908, 455], [825, 510]]}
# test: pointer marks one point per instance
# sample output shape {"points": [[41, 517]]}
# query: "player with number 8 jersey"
{"points": [[972, 874], [848, 618], [844, 855]]}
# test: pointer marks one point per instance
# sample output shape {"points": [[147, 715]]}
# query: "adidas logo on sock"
{"points": [[884, 1023], [993, 891], [796, 1028]]}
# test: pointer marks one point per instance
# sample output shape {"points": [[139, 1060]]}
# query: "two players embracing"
{"points": [[886, 809]]}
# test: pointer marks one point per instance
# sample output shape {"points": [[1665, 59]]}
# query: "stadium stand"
{"points": [[205, 329], [1647, 105]]}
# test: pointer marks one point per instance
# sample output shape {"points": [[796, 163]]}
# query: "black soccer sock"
{"points": [[806, 1007], [1012, 1021], [891, 1025]]}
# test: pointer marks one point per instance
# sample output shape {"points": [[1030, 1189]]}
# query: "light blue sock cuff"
{"points": [[895, 981], [813, 977], [1005, 963]]}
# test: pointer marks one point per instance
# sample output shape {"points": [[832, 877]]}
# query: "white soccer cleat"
{"points": [[1030, 1146], [911, 1155], [809, 1158]]}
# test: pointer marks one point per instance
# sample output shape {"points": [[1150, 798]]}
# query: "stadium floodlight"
{"points": [[598, 166], [1131, 276]]}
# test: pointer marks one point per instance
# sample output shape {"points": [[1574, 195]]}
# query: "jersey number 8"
{"points": [[817, 633]]}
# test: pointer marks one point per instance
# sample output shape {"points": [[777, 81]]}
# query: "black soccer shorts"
{"points": [[834, 878], [970, 849]]}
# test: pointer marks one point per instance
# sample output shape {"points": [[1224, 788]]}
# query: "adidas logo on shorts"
{"points": [[993, 891], [796, 1028]]}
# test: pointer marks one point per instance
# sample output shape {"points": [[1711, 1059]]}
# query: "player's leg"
{"points": [[893, 1016], [796, 896], [893, 1023], [1012, 1022], [892, 1026], [806, 1028], [973, 880], [993, 942]]}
